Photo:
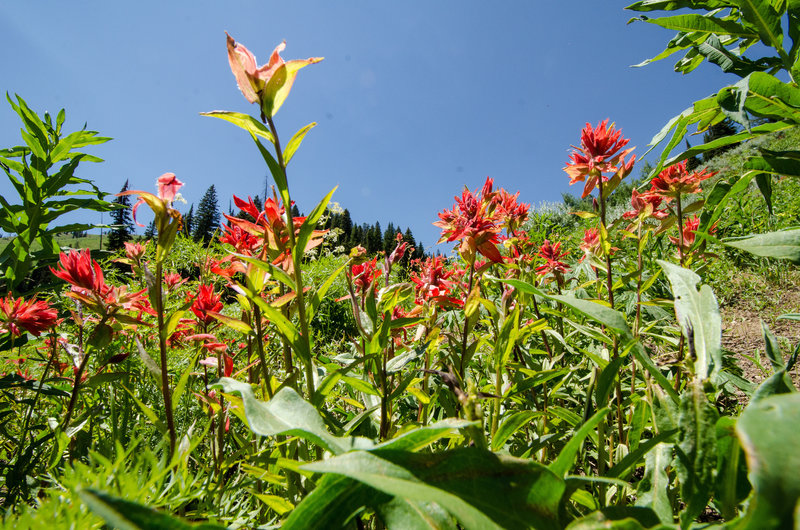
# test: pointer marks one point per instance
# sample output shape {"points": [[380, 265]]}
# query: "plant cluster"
{"points": [[527, 381]]}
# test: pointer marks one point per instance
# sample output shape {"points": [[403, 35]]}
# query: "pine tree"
{"points": [[719, 130], [121, 218], [389, 238], [347, 223], [207, 218], [188, 222], [150, 231]]}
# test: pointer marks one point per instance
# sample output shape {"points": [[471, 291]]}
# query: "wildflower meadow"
{"points": [[553, 368]]}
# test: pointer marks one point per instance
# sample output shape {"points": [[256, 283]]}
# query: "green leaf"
{"points": [[289, 414], [784, 244], [652, 490], [310, 223], [422, 437], [566, 458], [768, 432], [244, 121], [696, 451], [295, 142], [698, 316], [127, 515], [672, 5], [763, 16], [731, 486], [703, 24], [511, 425], [474, 485], [415, 515], [334, 502]]}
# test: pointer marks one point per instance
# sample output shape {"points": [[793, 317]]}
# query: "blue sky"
{"points": [[413, 101]]}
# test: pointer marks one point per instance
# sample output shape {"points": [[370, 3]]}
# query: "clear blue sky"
{"points": [[413, 100]]}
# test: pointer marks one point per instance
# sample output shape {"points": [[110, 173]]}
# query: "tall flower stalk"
{"points": [[269, 86], [600, 162], [168, 222]]}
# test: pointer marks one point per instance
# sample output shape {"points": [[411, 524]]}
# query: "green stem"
{"points": [[162, 346], [297, 255], [462, 368]]}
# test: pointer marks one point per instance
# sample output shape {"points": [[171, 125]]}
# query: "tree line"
{"points": [[201, 225]]}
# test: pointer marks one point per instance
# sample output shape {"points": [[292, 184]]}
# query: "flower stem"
{"points": [[297, 255], [461, 367], [162, 346]]}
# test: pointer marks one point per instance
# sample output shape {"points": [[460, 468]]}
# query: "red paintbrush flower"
{"points": [[432, 283], [675, 181], [600, 152], [552, 255], [32, 316], [473, 222], [79, 269], [206, 301], [645, 205]]}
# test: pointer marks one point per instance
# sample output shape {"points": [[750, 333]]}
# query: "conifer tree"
{"points": [[346, 223], [121, 219], [150, 231], [188, 222], [207, 219]]}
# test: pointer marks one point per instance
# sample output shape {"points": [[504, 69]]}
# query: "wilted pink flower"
{"points": [[135, 251], [168, 186], [253, 80]]}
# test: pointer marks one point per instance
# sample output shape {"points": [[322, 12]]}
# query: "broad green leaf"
{"points": [[244, 121], [619, 518], [763, 16], [421, 437], [288, 413], [768, 433], [333, 503], [732, 486], [784, 244], [696, 451], [234, 323], [397, 481], [672, 5], [652, 490], [278, 504], [415, 515], [703, 24], [474, 485], [698, 316]]}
